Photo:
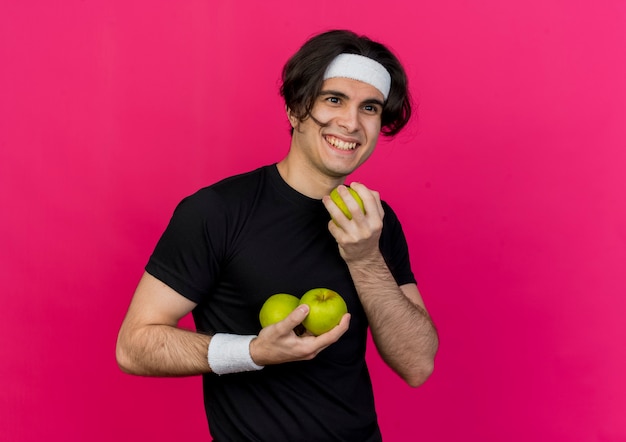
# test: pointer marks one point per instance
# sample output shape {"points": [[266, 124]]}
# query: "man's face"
{"points": [[350, 115]]}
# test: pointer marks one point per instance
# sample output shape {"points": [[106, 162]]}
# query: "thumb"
{"points": [[296, 317]]}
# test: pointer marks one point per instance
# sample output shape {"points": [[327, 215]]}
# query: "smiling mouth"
{"points": [[340, 144]]}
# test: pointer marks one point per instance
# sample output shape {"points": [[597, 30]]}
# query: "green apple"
{"points": [[276, 308], [334, 195], [326, 308]]}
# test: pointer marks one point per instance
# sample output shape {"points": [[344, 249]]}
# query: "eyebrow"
{"points": [[346, 97]]}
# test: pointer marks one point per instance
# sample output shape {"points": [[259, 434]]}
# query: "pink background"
{"points": [[510, 184]]}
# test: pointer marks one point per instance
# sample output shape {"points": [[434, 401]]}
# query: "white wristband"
{"points": [[231, 354]]}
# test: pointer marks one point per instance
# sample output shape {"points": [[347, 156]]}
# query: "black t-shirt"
{"points": [[230, 246]]}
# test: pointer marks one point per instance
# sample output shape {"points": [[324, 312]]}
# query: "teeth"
{"points": [[339, 144]]}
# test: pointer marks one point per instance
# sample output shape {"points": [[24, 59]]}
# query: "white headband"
{"points": [[358, 67]]}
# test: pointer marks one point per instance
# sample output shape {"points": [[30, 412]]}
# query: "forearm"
{"points": [[402, 329], [162, 350], [165, 350]]}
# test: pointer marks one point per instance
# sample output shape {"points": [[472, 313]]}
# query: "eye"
{"points": [[333, 100], [371, 108]]}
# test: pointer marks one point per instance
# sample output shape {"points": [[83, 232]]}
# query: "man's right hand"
{"points": [[279, 343]]}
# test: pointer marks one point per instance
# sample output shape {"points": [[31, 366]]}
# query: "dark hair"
{"points": [[303, 74]]}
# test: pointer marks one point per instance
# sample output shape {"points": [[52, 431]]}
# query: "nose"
{"points": [[349, 118]]}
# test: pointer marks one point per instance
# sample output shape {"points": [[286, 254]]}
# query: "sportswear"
{"points": [[229, 247]]}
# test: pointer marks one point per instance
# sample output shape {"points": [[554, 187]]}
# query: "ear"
{"points": [[292, 119]]}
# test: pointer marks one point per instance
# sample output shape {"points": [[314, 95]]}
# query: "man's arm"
{"points": [[401, 327], [150, 343]]}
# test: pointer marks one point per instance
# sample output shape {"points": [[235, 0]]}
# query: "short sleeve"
{"points": [[394, 248], [187, 256]]}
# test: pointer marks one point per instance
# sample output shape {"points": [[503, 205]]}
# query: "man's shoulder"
{"points": [[231, 196], [235, 186], [242, 180]]}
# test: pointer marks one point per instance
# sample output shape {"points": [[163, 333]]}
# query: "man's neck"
{"points": [[306, 179]]}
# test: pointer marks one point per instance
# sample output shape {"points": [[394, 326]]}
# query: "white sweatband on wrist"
{"points": [[358, 67], [231, 354]]}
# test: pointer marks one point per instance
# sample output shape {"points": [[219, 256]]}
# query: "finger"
{"points": [[371, 198], [366, 196], [354, 207], [332, 208], [337, 216], [294, 318]]}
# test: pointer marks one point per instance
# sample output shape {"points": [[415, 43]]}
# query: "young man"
{"points": [[232, 245]]}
